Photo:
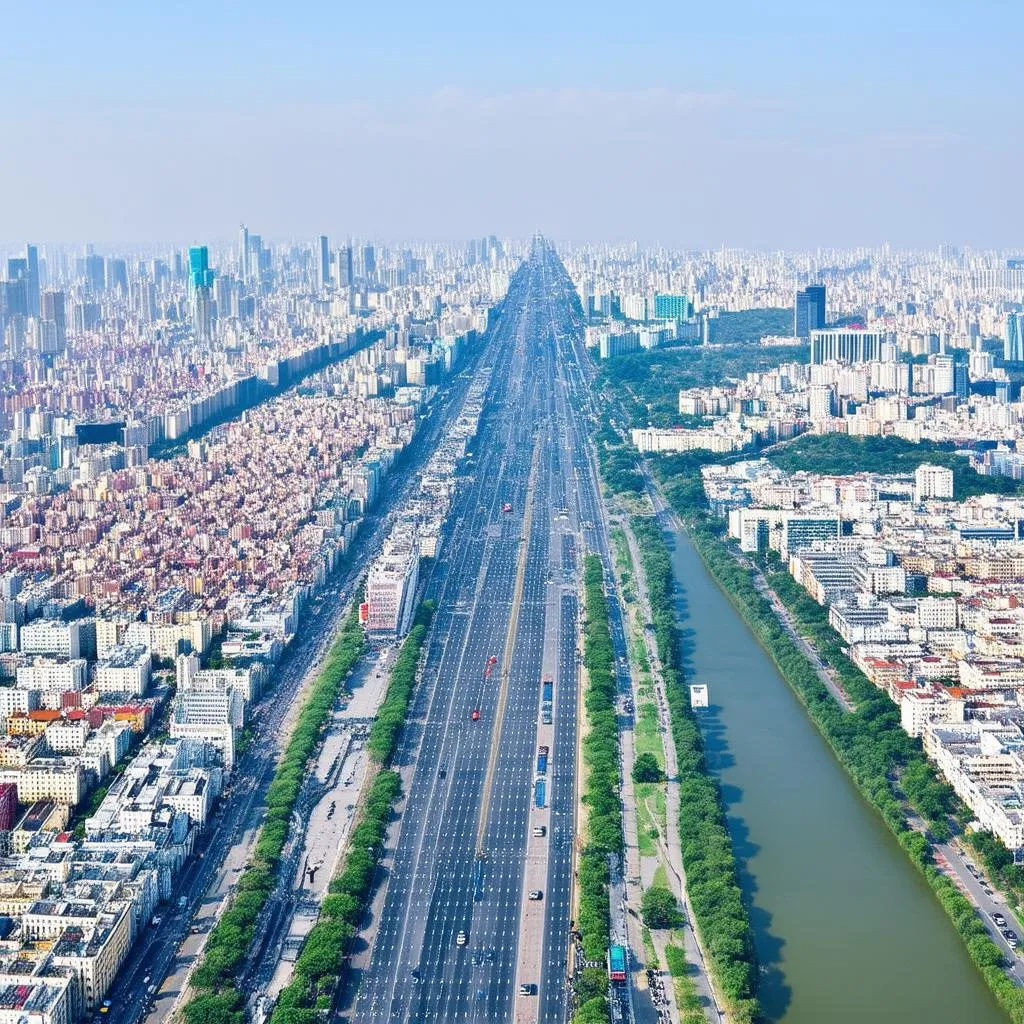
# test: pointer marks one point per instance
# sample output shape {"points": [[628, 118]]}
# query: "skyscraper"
{"points": [[369, 261], [323, 263], [17, 287], [243, 254], [1013, 344], [809, 310], [345, 267], [95, 272], [52, 323], [32, 279], [200, 281]]}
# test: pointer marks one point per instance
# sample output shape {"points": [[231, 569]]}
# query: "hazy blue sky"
{"points": [[767, 124]]}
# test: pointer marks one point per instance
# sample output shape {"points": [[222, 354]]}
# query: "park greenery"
{"points": [[712, 880], [601, 782], [887, 766], [841, 454], [647, 384], [749, 326], [321, 962], [688, 1001], [216, 999], [647, 769], [659, 908]]}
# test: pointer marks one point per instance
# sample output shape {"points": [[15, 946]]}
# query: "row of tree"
{"points": [[601, 788], [391, 716], [321, 962], [712, 879], [887, 766], [217, 1000]]}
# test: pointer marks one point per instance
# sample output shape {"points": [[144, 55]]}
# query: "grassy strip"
{"points": [[868, 742], [601, 763], [218, 1000], [321, 962], [691, 1009], [712, 880]]}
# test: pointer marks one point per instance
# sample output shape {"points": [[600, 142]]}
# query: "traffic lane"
{"points": [[986, 904], [403, 895]]}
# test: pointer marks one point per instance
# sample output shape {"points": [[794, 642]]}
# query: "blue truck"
{"points": [[542, 761], [617, 963], [547, 689], [540, 792]]}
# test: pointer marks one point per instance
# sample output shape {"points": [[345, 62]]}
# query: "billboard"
{"points": [[698, 696]]}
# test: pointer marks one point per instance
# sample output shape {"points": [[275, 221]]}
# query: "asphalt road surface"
{"points": [[455, 859]]}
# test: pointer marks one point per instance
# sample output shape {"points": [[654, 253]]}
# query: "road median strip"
{"points": [[602, 799], [321, 964]]}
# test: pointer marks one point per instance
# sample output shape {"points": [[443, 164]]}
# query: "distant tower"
{"points": [[200, 282], [243, 254], [1013, 344], [809, 310], [345, 267], [369, 261], [32, 280], [53, 322], [323, 263]]}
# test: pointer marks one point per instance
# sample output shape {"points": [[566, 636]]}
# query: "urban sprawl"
{"points": [[192, 440]]}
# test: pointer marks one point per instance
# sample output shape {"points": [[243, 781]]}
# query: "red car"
{"points": [[476, 715]]}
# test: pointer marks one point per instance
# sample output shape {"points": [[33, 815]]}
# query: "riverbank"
{"points": [[653, 808], [867, 742]]}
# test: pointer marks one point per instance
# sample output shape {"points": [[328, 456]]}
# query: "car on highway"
{"points": [[536, 894], [999, 919], [526, 989], [460, 939], [539, 831]]}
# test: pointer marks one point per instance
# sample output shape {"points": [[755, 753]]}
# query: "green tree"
{"points": [[647, 769], [659, 908]]}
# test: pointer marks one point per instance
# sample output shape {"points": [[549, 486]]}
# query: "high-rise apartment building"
{"points": [[671, 307], [53, 323], [845, 345], [243, 254], [809, 310], [369, 261], [323, 262], [932, 482], [1013, 343], [32, 279], [344, 267]]}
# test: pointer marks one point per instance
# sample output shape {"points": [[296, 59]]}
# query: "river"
{"points": [[846, 928]]}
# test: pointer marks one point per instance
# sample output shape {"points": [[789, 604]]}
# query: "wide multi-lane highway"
{"points": [[455, 936]]}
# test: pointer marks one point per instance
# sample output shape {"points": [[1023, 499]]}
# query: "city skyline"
{"points": [[780, 128]]}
